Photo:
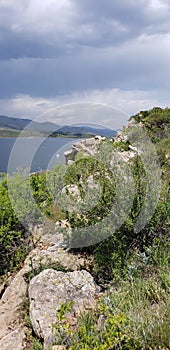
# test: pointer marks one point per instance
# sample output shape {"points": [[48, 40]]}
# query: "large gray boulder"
{"points": [[51, 288]]}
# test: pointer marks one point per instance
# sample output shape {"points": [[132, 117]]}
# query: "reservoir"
{"points": [[35, 153]]}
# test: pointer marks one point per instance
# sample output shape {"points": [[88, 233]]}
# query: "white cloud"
{"points": [[36, 16], [95, 105], [158, 4]]}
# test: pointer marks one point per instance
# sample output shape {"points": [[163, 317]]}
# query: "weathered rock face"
{"points": [[122, 157], [51, 251], [87, 146], [120, 137], [51, 288], [12, 330], [15, 339], [51, 256], [90, 146], [12, 324]]}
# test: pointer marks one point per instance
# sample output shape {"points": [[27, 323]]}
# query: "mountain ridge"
{"points": [[19, 124]]}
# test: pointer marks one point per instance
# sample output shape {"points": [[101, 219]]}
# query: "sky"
{"points": [[61, 53]]}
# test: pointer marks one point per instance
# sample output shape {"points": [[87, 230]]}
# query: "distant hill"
{"points": [[18, 124], [85, 130]]}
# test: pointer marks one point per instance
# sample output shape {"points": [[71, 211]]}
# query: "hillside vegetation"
{"points": [[131, 267]]}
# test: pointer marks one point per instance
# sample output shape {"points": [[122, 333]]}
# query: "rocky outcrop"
{"points": [[14, 339], [53, 256], [87, 147], [51, 288], [12, 330], [120, 137], [49, 252], [90, 147], [122, 157]]}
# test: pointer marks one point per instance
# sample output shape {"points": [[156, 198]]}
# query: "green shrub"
{"points": [[14, 239]]}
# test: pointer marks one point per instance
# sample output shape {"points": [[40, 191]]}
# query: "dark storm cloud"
{"points": [[114, 22], [16, 45], [79, 45], [127, 68], [94, 23]]}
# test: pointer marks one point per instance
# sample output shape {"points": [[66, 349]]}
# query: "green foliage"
{"points": [[98, 330], [43, 196], [14, 240], [22, 200], [122, 146], [61, 329], [106, 331], [51, 186], [37, 344], [40, 191], [156, 121], [163, 150], [78, 174], [110, 256]]}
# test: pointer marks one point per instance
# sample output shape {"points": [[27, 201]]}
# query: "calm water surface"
{"points": [[35, 153]]}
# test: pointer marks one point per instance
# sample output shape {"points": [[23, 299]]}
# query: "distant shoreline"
{"points": [[20, 134]]}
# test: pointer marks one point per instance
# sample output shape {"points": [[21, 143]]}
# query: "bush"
{"points": [[14, 240]]}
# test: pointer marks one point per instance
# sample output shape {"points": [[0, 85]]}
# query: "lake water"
{"points": [[35, 153]]}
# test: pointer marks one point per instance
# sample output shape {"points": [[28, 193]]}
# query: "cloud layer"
{"points": [[60, 50]]}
